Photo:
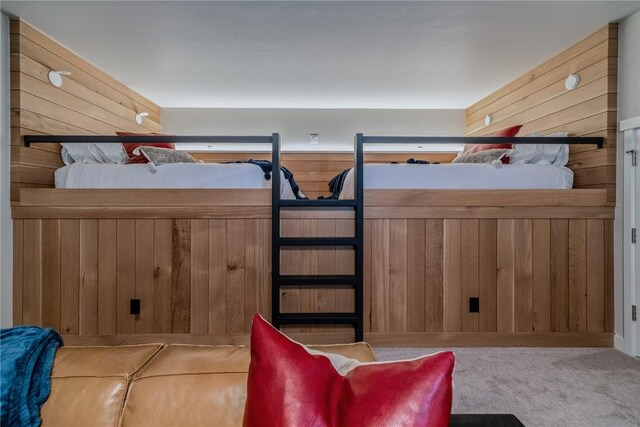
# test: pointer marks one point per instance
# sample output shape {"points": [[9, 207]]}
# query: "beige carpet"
{"points": [[544, 386]]}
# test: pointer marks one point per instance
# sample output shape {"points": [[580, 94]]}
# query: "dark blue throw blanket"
{"points": [[266, 167], [26, 357]]}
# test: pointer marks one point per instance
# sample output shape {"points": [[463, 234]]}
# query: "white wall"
{"points": [[628, 107], [336, 127], [6, 231]]}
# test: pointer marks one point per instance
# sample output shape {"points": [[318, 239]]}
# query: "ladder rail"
{"points": [[356, 318]]}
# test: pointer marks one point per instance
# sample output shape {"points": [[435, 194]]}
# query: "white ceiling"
{"points": [[317, 54]]}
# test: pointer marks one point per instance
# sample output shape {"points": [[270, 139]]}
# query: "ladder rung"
{"points": [[317, 318], [326, 203], [317, 241], [316, 280]]}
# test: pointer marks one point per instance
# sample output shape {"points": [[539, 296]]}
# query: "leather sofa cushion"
{"points": [[200, 385], [89, 384]]}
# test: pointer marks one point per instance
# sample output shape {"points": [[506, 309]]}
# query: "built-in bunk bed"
{"points": [[425, 263], [440, 267]]}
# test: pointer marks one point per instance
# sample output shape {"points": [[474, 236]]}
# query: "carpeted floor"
{"points": [[543, 386]]}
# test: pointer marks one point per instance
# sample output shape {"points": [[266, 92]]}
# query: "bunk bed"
{"points": [[395, 264]]}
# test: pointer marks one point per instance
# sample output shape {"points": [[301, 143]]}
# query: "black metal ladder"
{"points": [[354, 318]]}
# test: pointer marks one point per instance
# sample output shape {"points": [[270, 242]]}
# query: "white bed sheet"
{"points": [[178, 175], [460, 176]]}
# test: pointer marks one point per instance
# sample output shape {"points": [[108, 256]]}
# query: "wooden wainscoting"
{"points": [[539, 101], [540, 280], [89, 102]]}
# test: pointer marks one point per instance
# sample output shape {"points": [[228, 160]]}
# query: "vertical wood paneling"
{"points": [[380, 275], [469, 268], [487, 274], [144, 275], [88, 277], [577, 275], [70, 276], [18, 261], [253, 264], [265, 276], [326, 264], [451, 275], [162, 273], [210, 276], [416, 275], [345, 263], [559, 275], [541, 275], [368, 279], [125, 274], [523, 275], [217, 276], [199, 276], [434, 251], [595, 259], [235, 275], [181, 276], [505, 275], [107, 276], [32, 272], [51, 273], [308, 265], [398, 275]]}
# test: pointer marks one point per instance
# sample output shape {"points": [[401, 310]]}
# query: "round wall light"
{"points": [[488, 120], [572, 81], [55, 77], [139, 117]]}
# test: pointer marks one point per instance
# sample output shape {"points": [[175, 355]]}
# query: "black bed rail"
{"points": [[186, 139], [573, 140]]}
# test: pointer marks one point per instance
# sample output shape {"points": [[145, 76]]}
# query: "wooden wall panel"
{"points": [[539, 101], [209, 276], [89, 102], [313, 171]]}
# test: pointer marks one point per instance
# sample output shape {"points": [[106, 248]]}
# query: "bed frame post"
{"points": [[275, 230], [359, 233]]}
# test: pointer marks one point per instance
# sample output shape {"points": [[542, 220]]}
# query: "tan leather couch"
{"points": [[155, 384]]}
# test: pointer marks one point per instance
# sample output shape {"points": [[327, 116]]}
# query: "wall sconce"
{"points": [[55, 77], [572, 81], [139, 117], [488, 120]]}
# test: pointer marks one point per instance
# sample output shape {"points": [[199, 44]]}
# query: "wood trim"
{"points": [[403, 198], [111, 198]]}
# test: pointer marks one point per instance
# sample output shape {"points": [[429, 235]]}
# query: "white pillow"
{"points": [[93, 153], [541, 154]]}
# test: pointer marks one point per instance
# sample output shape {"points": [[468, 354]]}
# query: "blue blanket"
{"points": [[26, 356]]}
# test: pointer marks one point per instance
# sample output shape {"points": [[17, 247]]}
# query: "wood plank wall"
{"points": [[313, 171], [88, 102], [539, 101], [552, 277]]}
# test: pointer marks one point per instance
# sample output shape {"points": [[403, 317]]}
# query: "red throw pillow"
{"points": [[290, 386], [130, 146], [508, 132]]}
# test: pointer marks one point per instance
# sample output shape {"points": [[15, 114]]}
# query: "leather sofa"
{"points": [[156, 384]]}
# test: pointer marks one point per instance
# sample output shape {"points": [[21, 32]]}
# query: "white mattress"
{"points": [[178, 175], [460, 176]]}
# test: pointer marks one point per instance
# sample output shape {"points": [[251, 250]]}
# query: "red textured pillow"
{"points": [[508, 132], [290, 386], [130, 146]]}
